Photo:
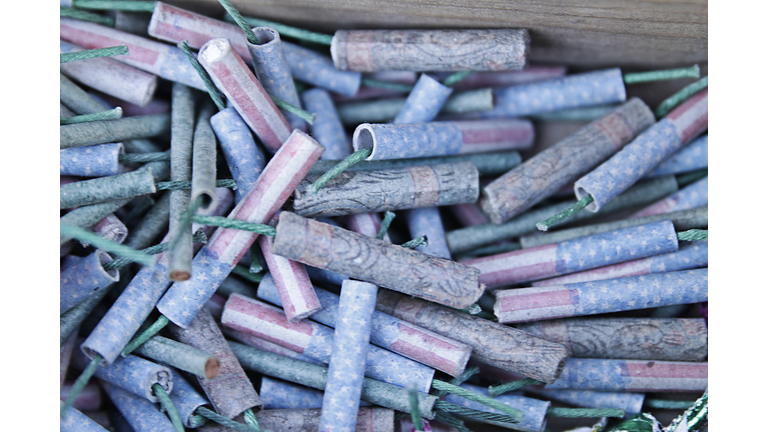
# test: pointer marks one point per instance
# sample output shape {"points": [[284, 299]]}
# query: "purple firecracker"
{"points": [[185, 398], [131, 373], [575, 255], [83, 279], [264, 345], [327, 128], [110, 228], [244, 157], [631, 375], [348, 360], [427, 221], [687, 257], [424, 102], [75, 421], [315, 341], [145, 54], [226, 247], [640, 156], [597, 297], [534, 410], [691, 196], [141, 414], [689, 158], [91, 161], [631, 403]]}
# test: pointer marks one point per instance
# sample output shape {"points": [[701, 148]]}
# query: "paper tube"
{"points": [[84, 279], [327, 128], [307, 420], [107, 131], [131, 373], [692, 196], [92, 161], [185, 398], [689, 158], [534, 410], [424, 102], [141, 414]]}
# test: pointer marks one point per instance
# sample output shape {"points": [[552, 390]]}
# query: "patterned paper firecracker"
{"points": [[327, 128], [307, 420], [687, 257], [141, 414], [109, 76], [111, 228], [186, 399], [631, 403], [83, 279], [429, 50], [692, 157], [144, 54], [427, 221], [227, 246], [406, 339], [553, 168], [279, 394], [131, 373], [393, 189], [579, 254], [424, 101], [501, 346], [402, 141], [358, 256], [92, 161], [604, 296], [692, 196], [534, 410], [265, 345], [75, 421], [315, 341], [672, 339]]}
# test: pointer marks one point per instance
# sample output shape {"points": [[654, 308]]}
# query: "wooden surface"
{"points": [[580, 33]]}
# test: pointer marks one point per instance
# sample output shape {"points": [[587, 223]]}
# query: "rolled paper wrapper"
{"points": [[424, 101], [507, 78], [237, 82], [109, 76], [501, 346], [185, 398], [144, 54], [468, 214], [279, 394], [131, 373], [65, 356], [429, 50], [317, 244], [692, 196], [327, 128], [174, 24], [687, 257], [75, 421], [204, 160], [689, 158], [631, 403], [298, 298], [154, 222], [393, 189], [480, 136], [571, 91], [645, 152], [231, 392], [83, 279], [127, 185], [548, 171], [388, 332], [89, 398], [141, 414], [225, 248], [111, 228], [77, 99], [180, 356], [427, 221], [308, 420], [92, 161], [632, 375], [597, 297], [107, 131], [348, 362], [683, 220], [578, 254], [534, 410], [271, 67], [244, 158], [683, 339], [315, 341], [135, 303], [267, 346], [375, 392]]}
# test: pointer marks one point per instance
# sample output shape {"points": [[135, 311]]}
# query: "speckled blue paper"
{"points": [[631, 403], [131, 373], [317, 69], [689, 158], [177, 68], [427, 221], [690, 256], [272, 70], [534, 410], [413, 140], [75, 421], [91, 161], [83, 279], [185, 398], [244, 157], [571, 91], [327, 128], [692, 196], [279, 394], [613, 375], [424, 102], [143, 416], [348, 360]]}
